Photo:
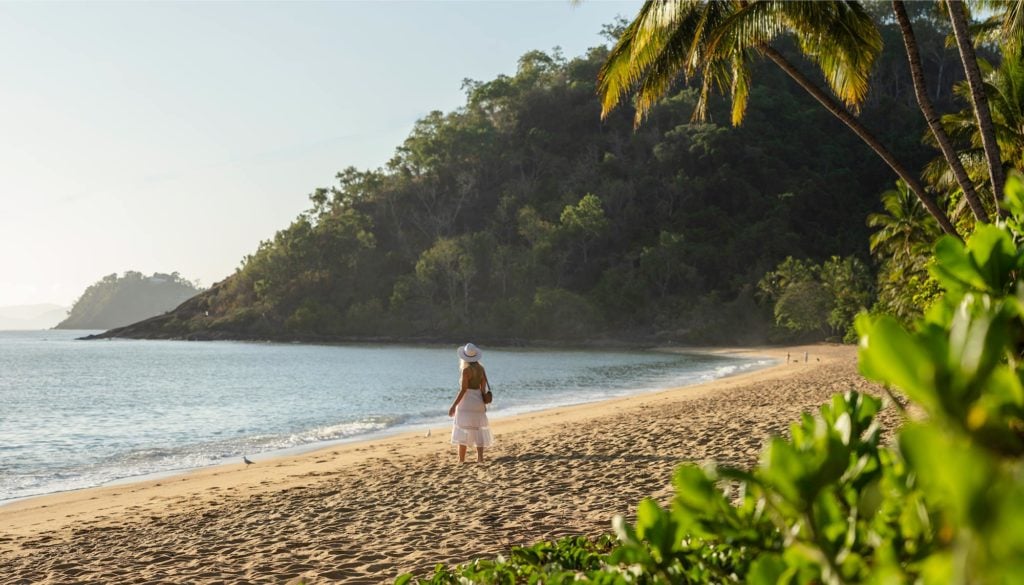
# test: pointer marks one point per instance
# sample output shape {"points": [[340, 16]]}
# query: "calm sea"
{"points": [[76, 414]]}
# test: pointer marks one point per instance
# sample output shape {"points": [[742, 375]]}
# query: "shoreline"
{"points": [[421, 423], [400, 431], [404, 480]]}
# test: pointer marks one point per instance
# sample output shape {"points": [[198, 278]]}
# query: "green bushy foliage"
{"points": [[832, 504], [822, 300], [563, 561]]}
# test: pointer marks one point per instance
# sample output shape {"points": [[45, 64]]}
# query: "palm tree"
{"points": [[1005, 25], [902, 242], [905, 231], [717, 41], [958, 17], [1004, 87], [932, 117]]}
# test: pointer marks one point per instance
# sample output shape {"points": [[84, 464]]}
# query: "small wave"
{"points": [[722, 371], [345, 430], [733, 369], [150, 461]]}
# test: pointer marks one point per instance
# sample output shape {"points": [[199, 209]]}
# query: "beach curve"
{"points": [[367, 511]]}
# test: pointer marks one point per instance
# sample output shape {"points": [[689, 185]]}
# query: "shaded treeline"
{"points": [[522, 216]]}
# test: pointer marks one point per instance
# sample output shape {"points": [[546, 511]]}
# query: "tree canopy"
{"points": [[523, 206]]}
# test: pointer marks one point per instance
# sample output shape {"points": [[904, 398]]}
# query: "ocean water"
{"points": [[76, 414]]}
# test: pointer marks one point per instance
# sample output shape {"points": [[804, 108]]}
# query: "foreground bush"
{"points": [[563, 561], [944, 504]]}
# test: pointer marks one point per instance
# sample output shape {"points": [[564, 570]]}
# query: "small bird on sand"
{"points": [[246, 460]]}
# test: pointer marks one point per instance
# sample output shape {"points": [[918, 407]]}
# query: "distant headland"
{"points": [[115, 301]]}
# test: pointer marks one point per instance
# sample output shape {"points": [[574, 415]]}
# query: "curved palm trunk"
{"points": [[958, 17], [854, 124], [925, 103]]}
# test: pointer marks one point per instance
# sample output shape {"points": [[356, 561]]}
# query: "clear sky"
{"points": [[174, 136]]}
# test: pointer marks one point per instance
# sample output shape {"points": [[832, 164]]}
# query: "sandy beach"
{"points": [[366, 512]]}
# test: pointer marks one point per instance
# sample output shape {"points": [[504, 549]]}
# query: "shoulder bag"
{"points": [[487, 394]]}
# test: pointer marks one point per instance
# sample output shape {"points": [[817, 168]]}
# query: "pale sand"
{"points": [[366, 512]]}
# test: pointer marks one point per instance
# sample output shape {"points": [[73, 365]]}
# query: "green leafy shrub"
{"points": [[820, 300], [943, 504], [562, 561]]}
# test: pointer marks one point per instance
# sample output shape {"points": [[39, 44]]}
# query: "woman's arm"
{"points": [[462, 392]]}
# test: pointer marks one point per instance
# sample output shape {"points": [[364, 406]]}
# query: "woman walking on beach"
{"points": [[469, 409]]}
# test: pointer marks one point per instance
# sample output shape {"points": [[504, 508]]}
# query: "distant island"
{"points": [[116, 301], [40, 316]]}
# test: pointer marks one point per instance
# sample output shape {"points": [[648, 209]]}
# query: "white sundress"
{"points": [[471, 427]]}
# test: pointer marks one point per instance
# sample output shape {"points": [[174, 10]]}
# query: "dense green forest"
{"points": [[523, 215], [114, 300], [834, 501]]}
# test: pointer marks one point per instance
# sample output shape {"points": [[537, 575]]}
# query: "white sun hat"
{"points": [[469, 353]]}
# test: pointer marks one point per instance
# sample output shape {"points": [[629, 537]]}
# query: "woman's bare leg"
{"points": [[479, 454], [462, 453]]}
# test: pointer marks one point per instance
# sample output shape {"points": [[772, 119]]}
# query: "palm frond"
{"points": [[1013, 27], [842, 39], [715, 40], [652, 51], [675, 57], [629, 59]]}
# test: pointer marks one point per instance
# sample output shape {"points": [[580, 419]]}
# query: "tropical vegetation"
{"points": [[834, 503], [522, 216]]}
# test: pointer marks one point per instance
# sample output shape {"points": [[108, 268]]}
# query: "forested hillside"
{"points": [[522, 215], [115, 301]]}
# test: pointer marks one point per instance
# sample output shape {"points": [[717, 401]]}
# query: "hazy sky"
{"points": [[176, 136]]}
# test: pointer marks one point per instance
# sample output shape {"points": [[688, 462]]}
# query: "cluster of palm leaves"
{"points": [[714, 43], [1004, 88]]}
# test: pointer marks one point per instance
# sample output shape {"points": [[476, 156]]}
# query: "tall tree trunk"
{"points": [[921, 91], [958, 17], [854, 124]]}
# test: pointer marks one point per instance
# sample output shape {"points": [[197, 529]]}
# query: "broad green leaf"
{"points": [[696, 491], [952, 469], [954, 268], [938, 569], [834, 458], [967, 336], [993, 254], [870, 499], [1004, 389], [830, 518], [1007, 538], [914, 522], [1014, 194], [864, 409], [1014, 203], [648, 516], [786, 470], [767, 569], [890, 355], [844, 427]]}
